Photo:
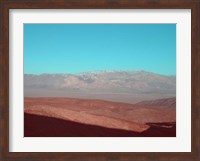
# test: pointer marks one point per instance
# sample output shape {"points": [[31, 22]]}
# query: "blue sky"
{"points": [[76, 48]]}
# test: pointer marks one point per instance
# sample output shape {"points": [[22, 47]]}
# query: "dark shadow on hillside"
{"points": [[164, 129], [42, 126]]}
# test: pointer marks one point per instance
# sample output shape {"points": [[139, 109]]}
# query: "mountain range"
{"points": [[125, 86]]}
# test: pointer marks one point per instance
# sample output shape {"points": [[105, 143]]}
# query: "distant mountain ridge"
{"points": [[104, 81], [119, 86], [169, 102]]}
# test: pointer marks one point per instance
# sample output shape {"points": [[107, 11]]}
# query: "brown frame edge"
{"points": [[5, 5]]}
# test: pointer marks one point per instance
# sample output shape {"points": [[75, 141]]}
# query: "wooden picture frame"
{"points": [[194, 5]]}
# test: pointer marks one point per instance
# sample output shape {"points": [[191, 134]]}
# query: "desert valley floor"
{"points": [[72, 117]]}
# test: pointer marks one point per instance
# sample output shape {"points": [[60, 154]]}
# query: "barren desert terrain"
{"points": [[54, 117]]}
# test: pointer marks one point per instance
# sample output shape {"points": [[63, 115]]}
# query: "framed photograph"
{"points": [[100, 80]]}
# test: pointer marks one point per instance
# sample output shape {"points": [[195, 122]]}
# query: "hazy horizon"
{"points": [[115, 86], [97, 71]]}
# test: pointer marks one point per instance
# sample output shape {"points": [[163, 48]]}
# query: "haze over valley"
{"points": [[121, 86]]}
